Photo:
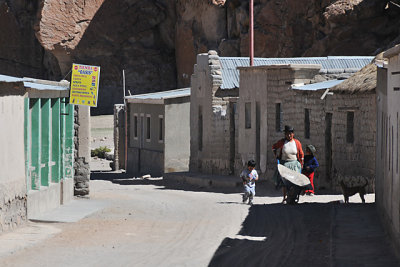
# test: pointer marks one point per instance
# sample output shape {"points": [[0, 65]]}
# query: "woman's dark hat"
{"points": [[289, 129]]}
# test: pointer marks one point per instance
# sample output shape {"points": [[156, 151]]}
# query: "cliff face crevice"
{"points": [[156, 41]]}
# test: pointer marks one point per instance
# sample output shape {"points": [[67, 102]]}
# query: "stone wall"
{"points": [[119, 137], [82, 150], [211, 143]]}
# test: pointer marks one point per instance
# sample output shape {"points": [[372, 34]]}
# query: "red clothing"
{"points": [[311, 177], [300, 153]]}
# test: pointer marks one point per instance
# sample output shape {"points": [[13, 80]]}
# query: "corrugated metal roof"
{"points": [[33, 83], [317, 86], [39, 86], [10, 79], [163, 94], [230, 74]]}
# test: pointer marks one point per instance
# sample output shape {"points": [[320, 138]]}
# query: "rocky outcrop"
{"points": [[61, 24], [156, 41], [20, 52]]}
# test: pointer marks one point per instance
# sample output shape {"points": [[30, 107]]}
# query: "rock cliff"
{"points": [[156, 41]]}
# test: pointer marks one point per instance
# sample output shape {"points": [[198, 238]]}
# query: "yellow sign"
{"points": [[84, 85]]}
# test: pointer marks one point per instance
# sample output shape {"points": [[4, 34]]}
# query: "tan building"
{"points": [[218, 107], [387, 149], [158, 132], [336, 116]]}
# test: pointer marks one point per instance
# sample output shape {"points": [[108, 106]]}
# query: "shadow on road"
{"points": [[262, 189], [308, 234]]}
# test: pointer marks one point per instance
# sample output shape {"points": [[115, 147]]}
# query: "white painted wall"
{"points": [[388, 144], [12, 161]]}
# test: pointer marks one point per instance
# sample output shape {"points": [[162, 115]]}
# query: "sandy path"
{"points": [[145, 225], [153, 223]]}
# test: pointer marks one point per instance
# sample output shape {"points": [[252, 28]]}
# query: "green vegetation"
{"points": [[100, 152]]}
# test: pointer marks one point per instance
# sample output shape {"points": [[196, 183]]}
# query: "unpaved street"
{"points": [[154, 223]]}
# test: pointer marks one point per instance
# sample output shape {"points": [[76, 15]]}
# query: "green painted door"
{"points": [[55, 140], [69, 141], [34, 169], [45, 138]]}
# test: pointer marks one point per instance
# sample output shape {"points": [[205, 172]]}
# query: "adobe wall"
{"points": [[357, 158], [269, 86], [176, 138], [13, 193], [215, 154]]}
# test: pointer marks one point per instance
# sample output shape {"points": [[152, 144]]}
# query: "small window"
{"points": [[350, 127], [148, 129], [161, 128], [278, 117], [247, 114], [135, 126], [307, 123], [200, 126]]}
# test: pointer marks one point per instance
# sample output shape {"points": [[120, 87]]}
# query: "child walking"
{"points": [[249, 177], [310, 164]]}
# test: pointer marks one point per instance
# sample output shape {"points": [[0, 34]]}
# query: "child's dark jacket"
{"points": [[310, 161]]}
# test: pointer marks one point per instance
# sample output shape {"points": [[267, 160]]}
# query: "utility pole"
{"points": [[251, 28]]}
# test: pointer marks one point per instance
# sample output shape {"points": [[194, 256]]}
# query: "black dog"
{"points": [[349, 191]]}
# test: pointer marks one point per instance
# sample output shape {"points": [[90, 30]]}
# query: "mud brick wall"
{"points": [[212, 143]]}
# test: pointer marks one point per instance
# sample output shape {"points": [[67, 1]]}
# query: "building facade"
{"points": [[217, 104], [158, 135], [340, 124], [38, 126]]}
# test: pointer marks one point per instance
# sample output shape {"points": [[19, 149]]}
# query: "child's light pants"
{"points": [[249, 192]]}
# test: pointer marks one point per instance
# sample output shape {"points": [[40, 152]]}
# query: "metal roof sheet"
{"points": [[230, 74], [318, 86], [33, 83], [39, 86], [10, 79], [163, 94]]}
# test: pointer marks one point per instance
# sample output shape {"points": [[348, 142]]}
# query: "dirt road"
{"points": [[160, 223], [154, 223]]}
